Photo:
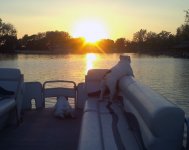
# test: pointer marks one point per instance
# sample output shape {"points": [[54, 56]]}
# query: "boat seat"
{"points": [[161, 122], [93, 79], [142, 119], [105, 129], [6, 105], [11, 80], [32, 90]]}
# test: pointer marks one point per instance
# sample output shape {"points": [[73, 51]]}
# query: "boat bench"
{"points": [[143, 119], [6, 106], [105, 129], [12, 80]]}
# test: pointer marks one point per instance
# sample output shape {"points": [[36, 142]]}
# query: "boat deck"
{"points": [[40, 130]]}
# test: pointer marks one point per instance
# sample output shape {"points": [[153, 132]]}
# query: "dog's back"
{"points": [[61, 106]]}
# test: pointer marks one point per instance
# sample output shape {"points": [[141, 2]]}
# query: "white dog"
{"points": [[111, 78], [63, 108]]}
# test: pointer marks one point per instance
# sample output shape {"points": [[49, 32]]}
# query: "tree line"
{"points": [[60, 41]]}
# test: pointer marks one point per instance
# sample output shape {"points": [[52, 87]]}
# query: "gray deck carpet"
{"points": [[40, 130]]}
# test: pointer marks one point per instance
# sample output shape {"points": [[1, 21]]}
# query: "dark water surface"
{"points": [[167, 75]]}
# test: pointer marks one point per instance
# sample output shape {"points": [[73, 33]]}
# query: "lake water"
{"points": [[167, 75]]}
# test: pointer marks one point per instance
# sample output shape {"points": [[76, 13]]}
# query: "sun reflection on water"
{"points": [[90, 59]]}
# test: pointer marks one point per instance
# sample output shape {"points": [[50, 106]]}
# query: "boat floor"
{"points": [[40, 130]]}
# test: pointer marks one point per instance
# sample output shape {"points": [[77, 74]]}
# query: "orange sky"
{"points": [[121, 18]]}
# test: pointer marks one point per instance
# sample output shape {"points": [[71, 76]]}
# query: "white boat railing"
{"points": [[57, 91]]}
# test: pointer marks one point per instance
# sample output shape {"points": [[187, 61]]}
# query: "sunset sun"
{"points": [[92, 31]]}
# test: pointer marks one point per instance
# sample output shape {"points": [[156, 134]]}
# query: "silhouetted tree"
{"points": [[47, 41], [120, 44], [165, 39], [183, 31], [151, 39], [187, 17], [23, 42], [60, 41], [140, 36], [164, 35], [138, 40], [105, 45], [8, 39], [57, 39], [76, 45]]}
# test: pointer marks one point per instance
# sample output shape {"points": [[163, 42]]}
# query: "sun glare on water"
{"points": [[90, 59], [92, 31]]}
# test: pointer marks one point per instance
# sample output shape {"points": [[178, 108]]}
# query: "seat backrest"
{"points": [[32, 90], [93, 79], [161, 122], [9, 78]]}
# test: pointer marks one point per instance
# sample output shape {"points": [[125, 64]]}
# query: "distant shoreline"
{"points": [[42, 52]]}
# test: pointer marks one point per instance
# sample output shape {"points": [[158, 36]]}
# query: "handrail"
{"points": [[63, 81]]}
